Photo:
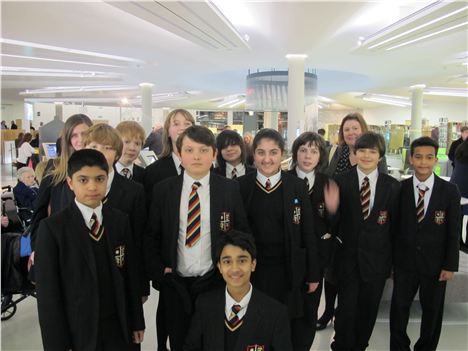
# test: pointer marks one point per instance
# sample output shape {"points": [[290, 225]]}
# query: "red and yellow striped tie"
{"points": [[420, 206], [365, 197], [193, 217], [97, 229]]}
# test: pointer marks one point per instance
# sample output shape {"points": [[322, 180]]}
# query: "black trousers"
{"points": [[303, 329], [179, 298], [431, 298], [111, 338], [358, 305]]}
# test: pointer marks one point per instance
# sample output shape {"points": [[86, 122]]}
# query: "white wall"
{"points": [[12, 110], [432, 111]]}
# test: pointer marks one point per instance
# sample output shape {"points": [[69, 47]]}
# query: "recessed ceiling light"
{"points": [[55, 60]]}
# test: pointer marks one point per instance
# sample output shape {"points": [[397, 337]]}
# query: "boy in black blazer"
{"points": [[86, 268], [278, 208], [133, 137], [191, 212], [366, 227], [427, 245], [238, 317]]}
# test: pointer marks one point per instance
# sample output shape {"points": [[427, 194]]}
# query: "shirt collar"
{"points": [[274, 179], [239, 168], [119, 167], [243, 303], [310, 176], [429, 182], [372, 176], [177, 162], [87, 212], [205, 181]]}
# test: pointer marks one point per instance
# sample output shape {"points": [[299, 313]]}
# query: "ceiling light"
{"points": [[55, 60], [387, 99], [124, 101], [78, 89], [235, 11], [228, 103], [296, 56], [68, 50], [237, 103], [45, 72], [458, 92], [427, 36]]}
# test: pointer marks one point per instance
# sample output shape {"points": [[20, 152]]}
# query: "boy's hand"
{"points": [[144, 299], [138, 336], [331, 194], [311, 287], [5, 221], [31, 260], [446, 275], [167, 270]]}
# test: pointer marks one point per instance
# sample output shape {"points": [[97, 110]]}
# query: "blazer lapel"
{"points": [[115, 193], [174, 207], [288, 208], [218, 315], [215, 206], [81, 238], [379, 196], [250, 324], [432, 199]]}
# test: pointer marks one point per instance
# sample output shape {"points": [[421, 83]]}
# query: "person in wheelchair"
{"points": [[25, 193]]}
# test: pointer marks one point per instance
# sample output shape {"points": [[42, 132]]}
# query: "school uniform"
{"points": [[193, 267], [286, 245], [232, 172], [422, 250], [165, 167], [262, 323], [133, 172], [364, 258], [87, 293]]}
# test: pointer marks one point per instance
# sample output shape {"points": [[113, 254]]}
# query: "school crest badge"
{"points": [[321, 209], [119, 255], [383, 217], [225, 221], [439, 217], [255, 348], [297, 214]]}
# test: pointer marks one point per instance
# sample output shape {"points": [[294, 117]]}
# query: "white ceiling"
{"points": [[198, 47]]}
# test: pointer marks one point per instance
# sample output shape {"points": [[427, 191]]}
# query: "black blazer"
{"points": [[50, 197], [265, 324], [366, 245], [323, 221], [222, 170], [156, 172], [25, 195], [128, 197], [163, 224], [66, 280], [432, 245], [138, 174]]}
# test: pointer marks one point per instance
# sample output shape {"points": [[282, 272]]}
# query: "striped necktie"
{"points": [[420, 206], [193, 217], [268, 184], [234, 322], [126, 173], [97, 229], [234, 173], [365, 197]]}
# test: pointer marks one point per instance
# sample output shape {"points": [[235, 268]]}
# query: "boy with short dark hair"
{"points": [[86, 268], [366, 229], [191, 212], [427, 248], [238, 316]]}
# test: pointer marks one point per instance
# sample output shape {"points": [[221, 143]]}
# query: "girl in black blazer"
{"points": [[231, 155], [278, 205], [308, 156]]}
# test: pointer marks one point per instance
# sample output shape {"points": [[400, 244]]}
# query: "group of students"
{"points": [[237, 253]]}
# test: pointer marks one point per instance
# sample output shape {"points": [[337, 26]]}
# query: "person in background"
{"points": [[133, 135], [13, 125], [460, 178], [231, 155], [456, 143], [4, 125], [25, 191], [249, 159], [25, 151], [341, 159], [154, 140], [321, 132], [35, 140], [18, 141]]}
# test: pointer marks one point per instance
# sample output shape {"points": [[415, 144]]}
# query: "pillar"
{"points": [[230, 118], [146, 91], [295, 95], [416, 111]]}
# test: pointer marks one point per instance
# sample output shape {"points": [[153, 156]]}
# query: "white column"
{"points": [[295, 95], [267, 119], [25, 124], [146, 91], [230, 118], [59, 110], [416, 111], [274, 120]]}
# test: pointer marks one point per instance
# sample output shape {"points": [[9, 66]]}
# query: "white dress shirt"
{"points": [[274, 179], [429, 184], [25, 151], [240, 170], [177, 163], [310, 176], [196, 260], [119, 167], [243, 304], [87, 213], [372, 176]]}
